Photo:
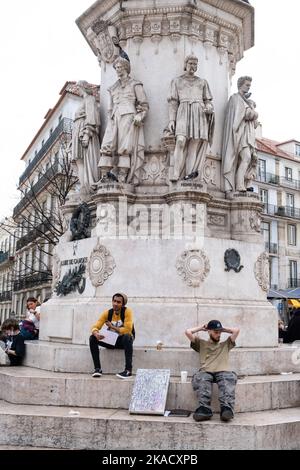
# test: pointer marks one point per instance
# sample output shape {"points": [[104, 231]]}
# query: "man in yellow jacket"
{"points": [[119, 319]]}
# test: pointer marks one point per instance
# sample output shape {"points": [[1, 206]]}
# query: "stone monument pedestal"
{"points": [[164, 253], [181, 250]]}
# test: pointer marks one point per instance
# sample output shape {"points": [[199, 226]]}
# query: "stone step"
{"points": [[108, 429], [23, 385], [62, 357]]}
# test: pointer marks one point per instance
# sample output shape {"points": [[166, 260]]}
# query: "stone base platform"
{"points": [[36, 404], [109, 429], [60, 357], [24, 385]]}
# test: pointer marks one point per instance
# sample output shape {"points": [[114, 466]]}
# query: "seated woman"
{"points": [[30, 326], [14, 342]]}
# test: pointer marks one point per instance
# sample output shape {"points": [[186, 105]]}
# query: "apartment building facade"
{"points": [[35, 221], [7, 251], [278, 185]]}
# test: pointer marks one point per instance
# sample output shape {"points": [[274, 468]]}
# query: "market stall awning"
{"points": [[294, 303], [274, 294], [293, 293]]}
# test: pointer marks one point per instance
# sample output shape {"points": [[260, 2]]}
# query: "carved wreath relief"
{"points": [[100, 266], [261, 271], [193, 266]]}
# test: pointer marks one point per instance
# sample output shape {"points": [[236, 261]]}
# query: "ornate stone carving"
{"points": [[125, 130], [137, 40], [101, 35], [255, 221], [216, 219], [174, 23], [175, 38], [239, 157], [261, 271], [190, 96], [101, 265], [155, 169], [187, 20], [232, 260], [156, 39], [80, 222], [209, 172], [56, 270], [85, 138], [223, 46], [193, 266], [73, 280]]}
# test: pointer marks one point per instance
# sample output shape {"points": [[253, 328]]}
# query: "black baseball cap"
{"points": [[214, 325]]}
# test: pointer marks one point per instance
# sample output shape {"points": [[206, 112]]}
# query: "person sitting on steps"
{"points": [[14, 342], [213, 368], [120, 320], [31, 325]]}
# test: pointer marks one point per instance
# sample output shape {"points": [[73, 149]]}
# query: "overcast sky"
{"points": [[41, 48]]}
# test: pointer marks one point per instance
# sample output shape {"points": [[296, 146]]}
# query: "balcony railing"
{"points": [[6, 296], [64, 127], [294, 282], [290, 183], [269, 209], [28, 282], [33, 234], [42, 182], [269, 178], [282, 211]]}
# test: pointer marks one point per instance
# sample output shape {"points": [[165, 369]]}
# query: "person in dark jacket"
{"points": [[293, 330], [14, 345]]}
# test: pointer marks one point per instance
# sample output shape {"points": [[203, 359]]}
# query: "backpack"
{"points": [[123, 309]]}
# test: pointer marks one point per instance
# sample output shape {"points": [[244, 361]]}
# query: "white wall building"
{"points": [[7, 250], [32, 264], [278, 184]]}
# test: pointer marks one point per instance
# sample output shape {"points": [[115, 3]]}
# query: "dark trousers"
{"points": [[123, 342], [15, 360]]}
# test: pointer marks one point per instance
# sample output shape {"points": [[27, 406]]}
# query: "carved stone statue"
{"points": [[191, 119], [123, 142], [85, 138], [239, 157]]}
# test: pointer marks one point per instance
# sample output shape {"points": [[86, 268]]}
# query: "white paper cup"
{"points": [[183, 375]]}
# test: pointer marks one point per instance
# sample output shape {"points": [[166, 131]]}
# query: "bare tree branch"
{"points": [[35, 224]]}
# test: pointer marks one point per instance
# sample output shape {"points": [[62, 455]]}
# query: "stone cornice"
{"points": [[242, 10], [247, 205], [188, 196], [219, 204], [136, 22]]}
